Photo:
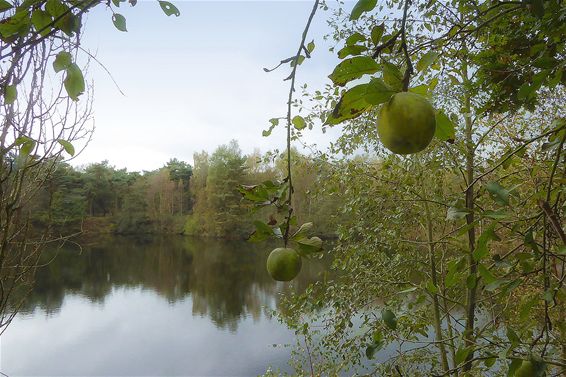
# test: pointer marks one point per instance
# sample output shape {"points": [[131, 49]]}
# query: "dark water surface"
{"points": [[167, 306]]}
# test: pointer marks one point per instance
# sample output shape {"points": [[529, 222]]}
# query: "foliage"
{"points": [[449, 261], [175, 198]]}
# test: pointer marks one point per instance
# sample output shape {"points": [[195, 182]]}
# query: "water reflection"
{"points": [[226, 280], [175, 306]]}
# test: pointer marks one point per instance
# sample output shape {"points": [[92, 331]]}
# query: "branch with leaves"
{"points": [[280, 194]]}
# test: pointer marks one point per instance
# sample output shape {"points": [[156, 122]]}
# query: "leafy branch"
{"points": [[391, 42], [292, 77]]}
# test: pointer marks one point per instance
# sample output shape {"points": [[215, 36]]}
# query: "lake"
{"points": [[157, 306]]}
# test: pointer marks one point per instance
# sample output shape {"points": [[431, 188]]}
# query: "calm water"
{"points": [[171, 306]]}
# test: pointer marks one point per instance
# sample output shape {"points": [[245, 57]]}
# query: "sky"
{"points": [[196, 81]]}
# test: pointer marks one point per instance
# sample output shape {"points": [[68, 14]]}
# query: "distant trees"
{"points": [[180, 173], [132, 200], [218, 209], [202, 200], [226, 172], [199, 201]]}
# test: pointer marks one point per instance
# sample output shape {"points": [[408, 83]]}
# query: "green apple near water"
{"points": [[406, 123], [284, 264]]}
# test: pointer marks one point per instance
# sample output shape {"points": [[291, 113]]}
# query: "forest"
{"points": [[439, 204], [178, 198]]}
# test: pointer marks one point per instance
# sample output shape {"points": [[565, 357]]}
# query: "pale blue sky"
{"points": [[196, 81]]}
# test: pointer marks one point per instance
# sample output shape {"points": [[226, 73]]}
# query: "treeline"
{"points": [[199, 200]]}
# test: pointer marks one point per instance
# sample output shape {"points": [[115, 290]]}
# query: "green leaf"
{"points": [[529, 241], [431, 287], [309, 245], [452, 274], [556, 78], [351, 50], [355, 38], [494, 285], [300, 59], [311, 46], [545, 62], [498, 193], [456, 213], [461, 355], [119, 21], [389, 318], [490, 362], [10, 94], [28, 3], [486, 275], [377, 336], [22, 140], [169, 9], [62, 61], [453, 80], [351, 105], [373, 348], [69, 24], [302, 231], [255, 193], [513, 337], [548, 295], [353, 68], [536, 7], [55, 8], [513, 366], [421, 90], [361, 7], [69, 148], [370, 351], [262, 232], [4, 5], [392, 76], [41, 21], [26, 144], [481, 250], [426, 60], [299, 122], [16, 25], [378, 92], [377, 33], [526, 91], [274, 123], [526, 307], [432, 84], [445, 128], [74, 82]]}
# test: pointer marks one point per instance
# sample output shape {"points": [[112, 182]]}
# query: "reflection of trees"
{"points": [[227, 281]]}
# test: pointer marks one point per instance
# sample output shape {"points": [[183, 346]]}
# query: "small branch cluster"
{"points": [[391, 42]]}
